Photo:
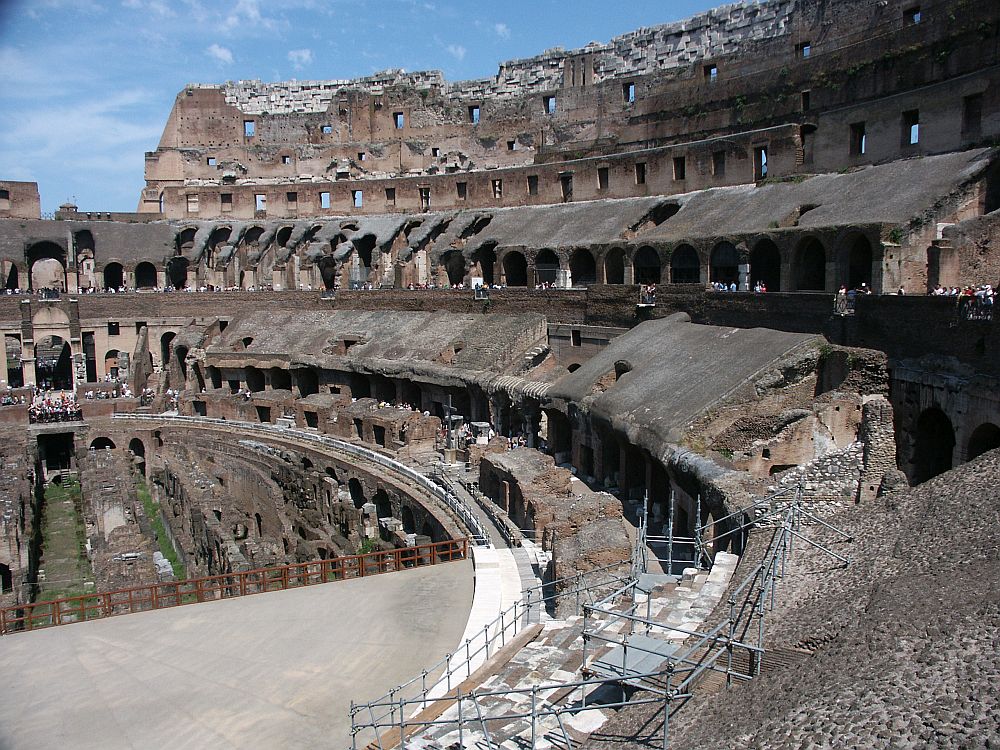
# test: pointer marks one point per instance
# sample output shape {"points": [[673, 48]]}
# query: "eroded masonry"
{"points": [[624, 292]]}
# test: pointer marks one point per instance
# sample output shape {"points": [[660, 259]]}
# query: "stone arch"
{"points": [[185, 240], [282, 236], [409, 524], [255, 379], [138, 449], [858, 265], [646, 266], [280, 379], [357, 492], [54, 362], [165, 342], [111, 363], [453, 263], [114, 276], [306, 381], [47, 266], [765, 265], [383, 505], [177, 272], [515, 268], [252, 236], [984, 438], [810, 266], [933, 445], [685, 265], [145, 276], [724, 264], [546, 266], [583, 267], [484, 261], [102, 443], [614, 266]]}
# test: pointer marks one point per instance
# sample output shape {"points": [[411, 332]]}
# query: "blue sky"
{"points": [[87, 84]]}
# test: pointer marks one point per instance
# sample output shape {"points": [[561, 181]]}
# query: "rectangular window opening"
{"points": [[249, 128], [226, 201], [566, 187], [859, 139], [361, 155], [680, 168], [719, 163], [512, 145], [4, 199], [357, 198], [324, 200], [398, 120], [327, 129], [549, 105], [575, 338], [804, 49], [113, 329], [435, 152], [711, 73], [211, 161], [286, 159], [462, 190], [532, 184], [498, 188], [192, 204], [390, 196], [628, 92], [602, 178], [425, 198], [474, 114], [912, 14], [972, 115], [911, 127], [259, 202], [805, 100], [640, 173], [759, 163]]}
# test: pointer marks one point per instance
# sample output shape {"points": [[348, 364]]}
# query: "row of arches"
{"points": [[934, 444]]}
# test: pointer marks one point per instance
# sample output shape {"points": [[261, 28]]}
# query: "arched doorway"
{"points": [[582, 267], [54, 363], [454, 265], [724, 264], [47, 266], [765, 265], [102, 443], [138, 449], [646, 266], [409, 524], [515, 269], [383, 508], [685, 267], [280, 379], [484, 260], [114, 276], [177, 272], [255, 379], [145, 276], [933, 445], [111, 363], [859, 263], [984, 438], [810, 266], [165, 342], [327, 271], [181, 353], [546, 267], [614, 266], [357, 493]]}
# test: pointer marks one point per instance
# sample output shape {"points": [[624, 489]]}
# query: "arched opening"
{"points": [[177, 272], [47, 266], [810, 266], [111, 363], [306, 381], [984, 438], [573, 367], [582, 267], [454, 264], [165, 341], [546, 267], [724, 264], [214, 376], [614, 266], [138, 449], [251, 238], [217, 240], [859, 263], [145, 276], [933, 446], [515, 269], [765, 265], [484, 261], [327, 271], [13, 367], [646, 266], [54, 363], [185, 240], [357, 493], [11, 278], [280, 379], [365, 248], [409, 524], [383, 508], [114, 276], [102, 443], [282, 236], [255, 379], [685, 267], [83, 242]]}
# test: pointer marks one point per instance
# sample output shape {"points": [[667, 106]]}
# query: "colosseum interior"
{"points": [[645, 341]]}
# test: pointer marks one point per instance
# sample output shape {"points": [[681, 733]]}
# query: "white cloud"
{"points": [[300, 57], [246, 15], [220, 54], [502, 30], [456, 50]]}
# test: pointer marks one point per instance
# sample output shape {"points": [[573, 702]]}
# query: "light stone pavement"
{"points": [[274, 670]]}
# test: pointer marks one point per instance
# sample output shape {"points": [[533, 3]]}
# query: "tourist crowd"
{"points": [[52, 406]]}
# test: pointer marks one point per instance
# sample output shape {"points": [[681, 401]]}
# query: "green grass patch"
{"points": [[156, 521], [64, 540]]}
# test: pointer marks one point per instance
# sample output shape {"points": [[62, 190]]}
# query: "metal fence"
{"points": [[96, 606]]}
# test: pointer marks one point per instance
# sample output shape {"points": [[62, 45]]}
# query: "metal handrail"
{"points": [[473, 525]]}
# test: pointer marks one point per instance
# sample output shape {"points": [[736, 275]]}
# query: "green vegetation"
{"points": [[64, 539], [367, 545], [156, 521]]}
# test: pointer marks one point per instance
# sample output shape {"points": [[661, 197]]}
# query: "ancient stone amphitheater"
{"points": [[629, 368]]}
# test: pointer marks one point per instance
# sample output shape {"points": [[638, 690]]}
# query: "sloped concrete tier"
{"points": [[265, 671]]}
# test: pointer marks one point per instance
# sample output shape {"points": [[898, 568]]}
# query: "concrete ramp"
{"points": [[265, 671]]}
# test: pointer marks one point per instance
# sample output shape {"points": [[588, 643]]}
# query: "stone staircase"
{"points": [[550, 661]]}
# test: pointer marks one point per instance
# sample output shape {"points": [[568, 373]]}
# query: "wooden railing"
{"points": [[228, 585]]}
